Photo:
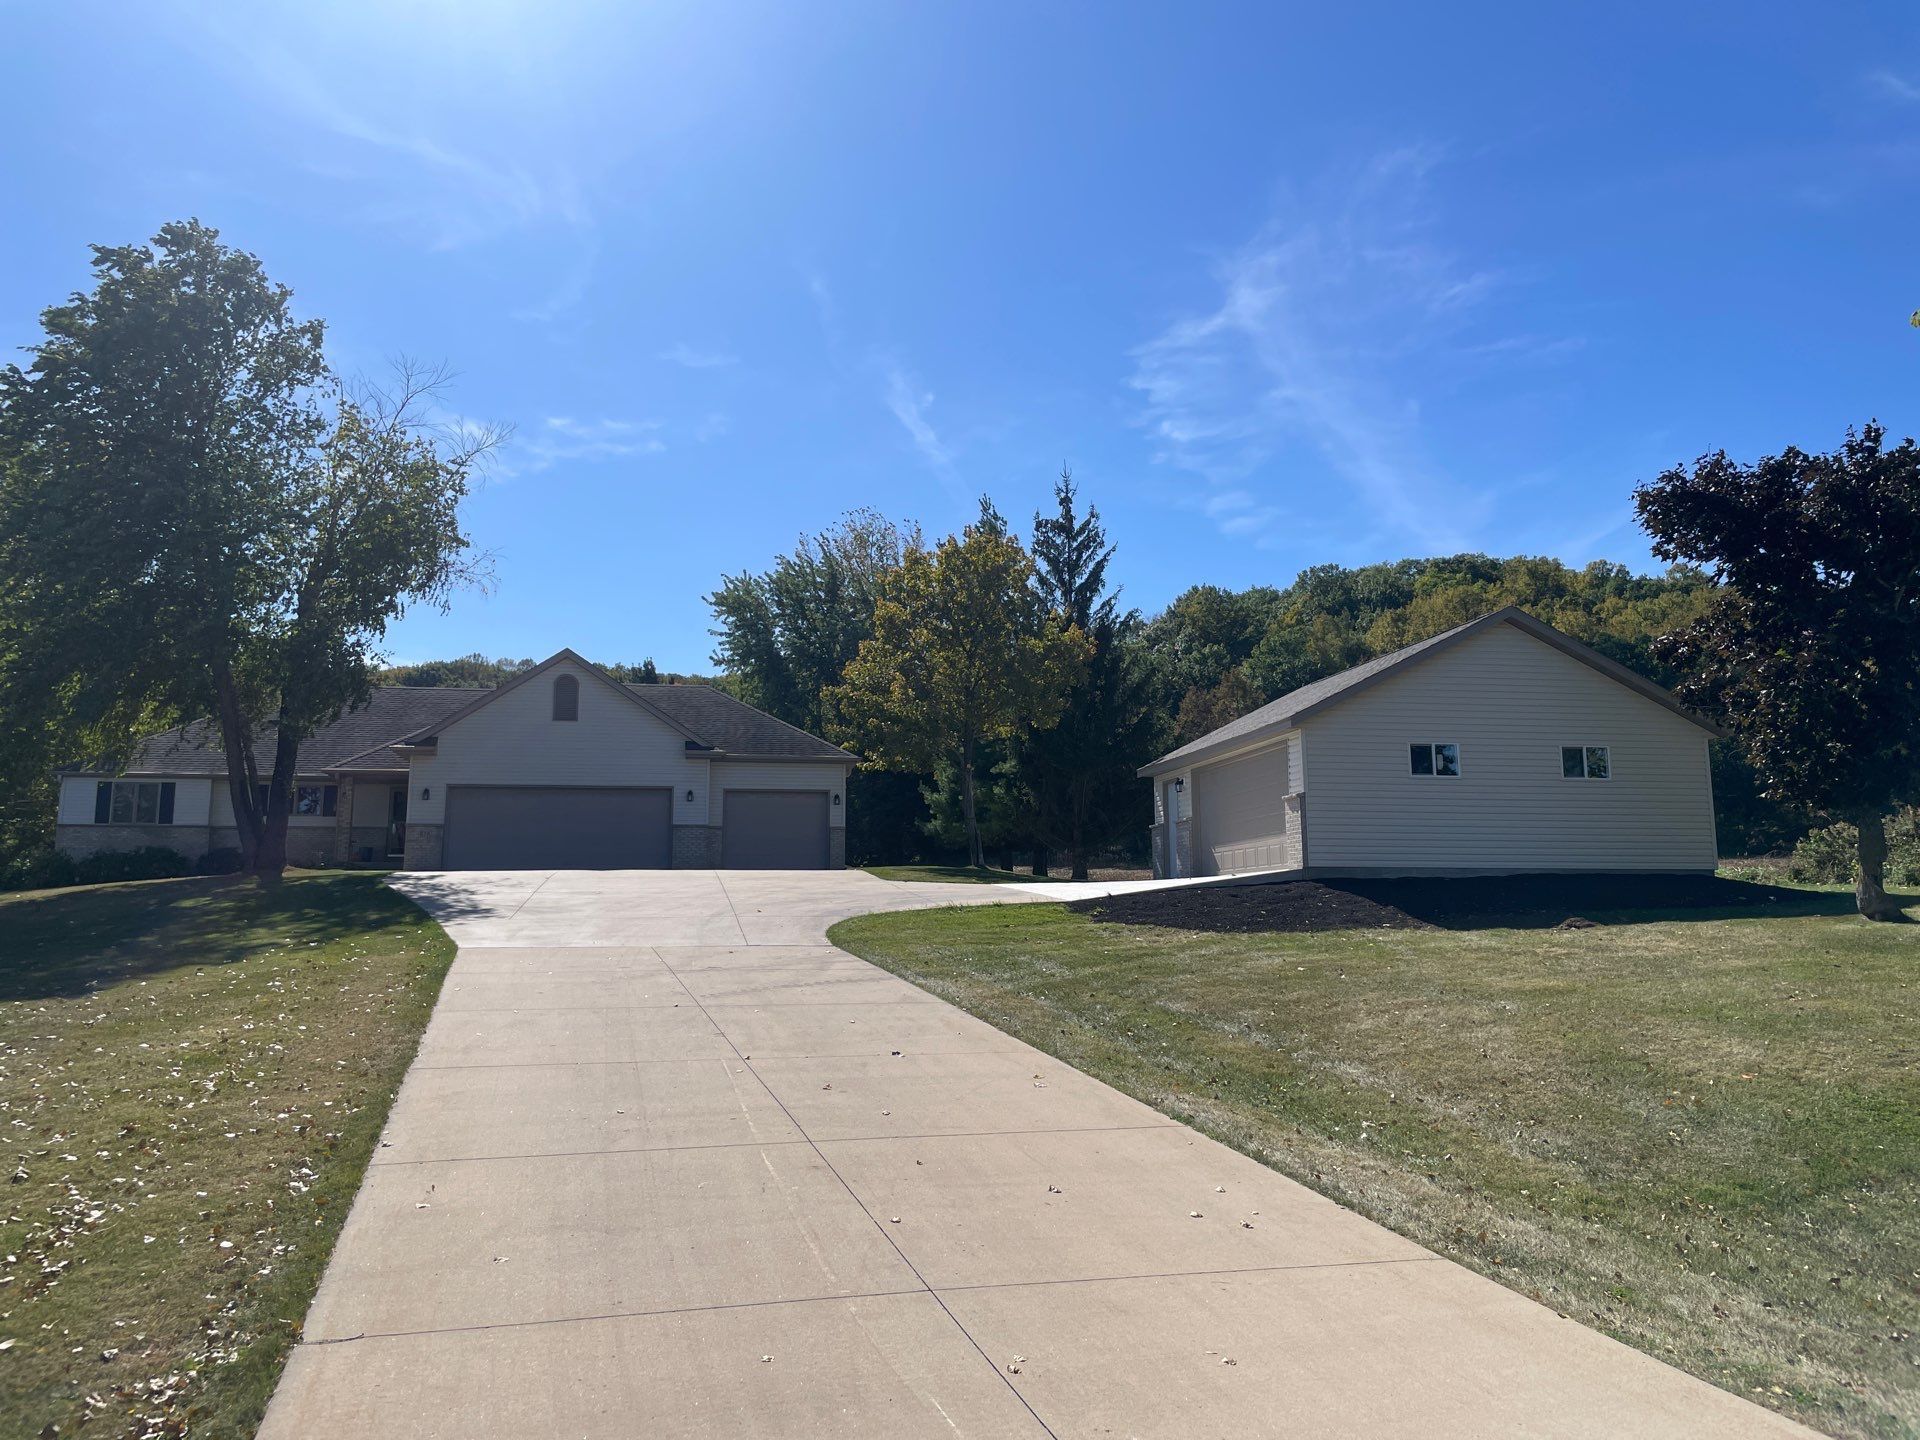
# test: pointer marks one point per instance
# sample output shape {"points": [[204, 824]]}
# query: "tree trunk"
{"points": [[272, 856], [236, 738], [1042, 860], [975, 856], [1869, 891]]}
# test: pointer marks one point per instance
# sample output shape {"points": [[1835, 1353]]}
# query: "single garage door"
{"points": [[501, 827], [774, 830]]}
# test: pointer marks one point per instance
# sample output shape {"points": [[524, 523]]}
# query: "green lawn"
{"points": [[957, 875], [193, 1074], [1701, 1136]]}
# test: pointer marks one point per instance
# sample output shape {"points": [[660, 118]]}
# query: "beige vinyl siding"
{"points": [[192, 796], [514, 740], [373, 802], [1509, 702], [1241, 812], [222, 806], [780, 775]]}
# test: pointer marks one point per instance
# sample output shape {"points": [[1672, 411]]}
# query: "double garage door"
{"points": [[525, 827], [500, 827]]}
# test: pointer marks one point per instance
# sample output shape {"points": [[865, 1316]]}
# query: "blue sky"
{"points": [[1283, 284]]}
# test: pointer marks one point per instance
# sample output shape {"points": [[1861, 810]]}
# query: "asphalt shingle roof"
{"points": [[720, 721], [366, 736]]}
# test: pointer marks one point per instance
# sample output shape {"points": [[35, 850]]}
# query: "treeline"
{"points": [[477, 671], [787, 634]]}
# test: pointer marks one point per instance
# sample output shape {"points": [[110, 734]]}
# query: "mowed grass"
{"points": [[957, 875], [1700, 1136], [193, 1074]]}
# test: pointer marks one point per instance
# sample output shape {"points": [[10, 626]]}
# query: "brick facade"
{"points": [[423, 847], [696, 847], [82, 841]]}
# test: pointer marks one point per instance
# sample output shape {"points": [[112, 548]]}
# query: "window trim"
{"points": [[1583, 747], [329, 806], [1434, 772], [164, 795], [569, 686]]}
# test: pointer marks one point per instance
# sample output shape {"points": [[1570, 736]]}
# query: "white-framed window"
{"points": [[313, 800], [1585, 762], [1434, 759], [133, 802]]}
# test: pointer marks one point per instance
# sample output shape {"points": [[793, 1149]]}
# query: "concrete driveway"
{"points": [[668, 1164]]}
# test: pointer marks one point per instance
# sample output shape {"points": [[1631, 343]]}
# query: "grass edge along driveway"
{"points": [[193, 1077], [1700, 1136]]}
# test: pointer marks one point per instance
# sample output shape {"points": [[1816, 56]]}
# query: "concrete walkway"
{"points": [[670, 1165]]}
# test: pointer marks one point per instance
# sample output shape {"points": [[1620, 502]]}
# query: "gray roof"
{"points": [[390, 712], [366, 738], [724, 723], [1296, 705]]}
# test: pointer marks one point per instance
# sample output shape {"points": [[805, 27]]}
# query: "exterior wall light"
{"points": [[1179, 784], [689, 797], [426, 792], [836, 797]]}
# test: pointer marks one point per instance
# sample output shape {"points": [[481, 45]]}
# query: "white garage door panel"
{"points": [[774, 830], [497, 827], [1240, 807]]}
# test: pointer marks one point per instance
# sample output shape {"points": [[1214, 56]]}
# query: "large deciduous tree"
{"points": [[964, 651], [784, 636], [1077, 776], [195, 515], [1811, 647]]}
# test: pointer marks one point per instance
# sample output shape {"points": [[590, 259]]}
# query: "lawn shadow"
{"points": [[1546, 901], [66, 943], [1467, 902]]}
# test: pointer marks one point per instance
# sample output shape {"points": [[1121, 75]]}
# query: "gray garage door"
{"points": [[493, 827], [774, 830]]}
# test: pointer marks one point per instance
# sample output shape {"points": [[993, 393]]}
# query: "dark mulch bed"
{"points": [[1532, 902]]}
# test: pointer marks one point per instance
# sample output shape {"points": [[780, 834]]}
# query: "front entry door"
{"points": [[397, 823], [1171, 805]]}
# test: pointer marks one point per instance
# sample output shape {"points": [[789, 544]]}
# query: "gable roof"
{"points": [[375, 736], [709, 719], [1297, 705]]}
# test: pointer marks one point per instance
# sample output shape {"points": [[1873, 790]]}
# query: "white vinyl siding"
{"points": [[1241, 812], [780, 775], [514, 740], [191, 796], [1511, 703]]}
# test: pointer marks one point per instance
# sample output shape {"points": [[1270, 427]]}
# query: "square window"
{"points": [[1597, 768], [1446, 759], [1434, 757], [1422, 759], [1573, 764]]}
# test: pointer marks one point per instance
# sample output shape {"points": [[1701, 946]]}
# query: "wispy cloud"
{"points": [[689, 358], [561, 439], [910, 403], [1894, 87], [442, 194], [1306, 360]]}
